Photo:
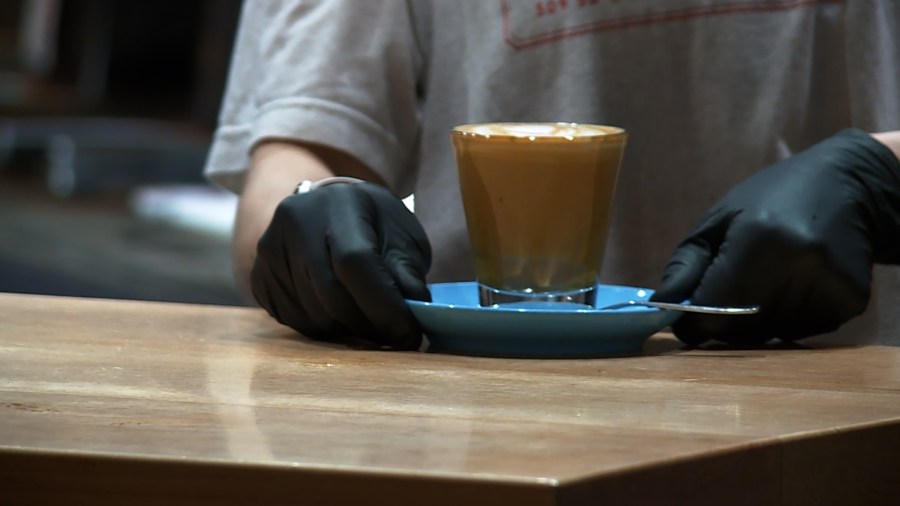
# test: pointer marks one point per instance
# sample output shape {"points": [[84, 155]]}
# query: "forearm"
{"points": [[276, 169]]}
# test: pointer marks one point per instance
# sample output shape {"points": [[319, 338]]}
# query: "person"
{"points": [[780, 116]]}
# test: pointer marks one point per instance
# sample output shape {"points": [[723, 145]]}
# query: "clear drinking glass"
{"points": [[538, 199]]}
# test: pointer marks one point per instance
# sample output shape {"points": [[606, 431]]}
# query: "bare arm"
{"points": [[891, 140], [276, 169]]}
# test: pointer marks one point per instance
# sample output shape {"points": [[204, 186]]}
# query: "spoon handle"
{"points": [[689, 308]]}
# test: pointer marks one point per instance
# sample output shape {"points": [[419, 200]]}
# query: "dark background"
{"points": [[98, 100]]}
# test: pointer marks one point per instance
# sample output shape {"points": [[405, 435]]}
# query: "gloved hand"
{"points": [[340, 260], [798, 238]]}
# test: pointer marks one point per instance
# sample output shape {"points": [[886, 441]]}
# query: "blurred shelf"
{"points": [[84, 155], [96, 247]]}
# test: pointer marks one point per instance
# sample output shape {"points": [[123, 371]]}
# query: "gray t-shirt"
{"points": [[709, 90]]}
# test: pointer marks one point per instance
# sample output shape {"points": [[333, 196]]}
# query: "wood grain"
{"points": [[187, 404]]}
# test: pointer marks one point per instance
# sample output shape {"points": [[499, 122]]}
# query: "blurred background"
{"points": [[107, 108]]}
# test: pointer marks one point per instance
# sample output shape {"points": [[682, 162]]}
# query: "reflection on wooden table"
{"points": [[114, 401]]}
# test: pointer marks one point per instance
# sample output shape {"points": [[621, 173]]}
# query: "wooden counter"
{"points": [[115, 402]]}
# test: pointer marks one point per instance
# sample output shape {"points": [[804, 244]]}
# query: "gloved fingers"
{"points": [[799, 288], [406, 273], [358, 245], [277, 300], [822, 302], [696, 329], [740, 278], [282, 260], [683, 272], [788, 318], [408, 262], [742, 272], [379, 299], [403, 243], [303, 285], [338, 303], [360, 268], [308, 296], [691, 259], [407, 232], [331, 303]]}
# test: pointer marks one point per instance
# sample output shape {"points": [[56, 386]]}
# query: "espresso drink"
{"points": [[538, 199]]}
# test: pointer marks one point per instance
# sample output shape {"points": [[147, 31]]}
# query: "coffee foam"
{"points": [[538, 130]]}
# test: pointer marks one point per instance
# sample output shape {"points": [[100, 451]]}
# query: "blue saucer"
{"points": [[455, 323]]}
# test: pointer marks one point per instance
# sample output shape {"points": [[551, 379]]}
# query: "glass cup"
{"points": [[538, 199]]}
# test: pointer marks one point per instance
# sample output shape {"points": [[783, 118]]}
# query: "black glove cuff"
{"points": [[879, 172]]}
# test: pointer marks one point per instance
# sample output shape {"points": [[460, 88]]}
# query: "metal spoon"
{"points": [[690, 308]]}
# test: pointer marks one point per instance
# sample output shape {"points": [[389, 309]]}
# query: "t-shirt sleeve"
{"points": [[331, 72]]}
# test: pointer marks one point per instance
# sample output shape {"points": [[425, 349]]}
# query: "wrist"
{"points": [[274, 171], [308, 185], [891, 140]]}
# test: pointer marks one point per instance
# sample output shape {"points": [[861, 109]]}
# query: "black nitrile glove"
{"points": [[798, 238], [339, 261]]}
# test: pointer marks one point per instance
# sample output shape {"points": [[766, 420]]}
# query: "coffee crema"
{"points": [[541, 131]]}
